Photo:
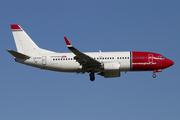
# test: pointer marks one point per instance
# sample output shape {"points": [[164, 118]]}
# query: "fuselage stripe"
{"points": [[130, 61], [16, 30], [71, 48]]}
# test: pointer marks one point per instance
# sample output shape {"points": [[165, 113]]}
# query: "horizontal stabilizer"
{"points": [[18, 55]]}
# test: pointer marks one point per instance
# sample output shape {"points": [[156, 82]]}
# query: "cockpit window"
{"points": [[161, 57]]}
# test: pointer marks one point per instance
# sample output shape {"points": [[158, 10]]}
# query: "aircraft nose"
{"points": [[170, 62], [167, 63]]}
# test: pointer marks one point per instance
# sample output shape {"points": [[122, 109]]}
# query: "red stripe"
{"points": [[15, 27]]}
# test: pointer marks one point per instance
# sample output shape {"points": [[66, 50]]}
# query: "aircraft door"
{"points": [[150, 58], [43, 60]]}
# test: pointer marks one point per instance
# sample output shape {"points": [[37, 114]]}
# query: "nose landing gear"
{"points": [[154, 75], [154, 71], [91, 75]]}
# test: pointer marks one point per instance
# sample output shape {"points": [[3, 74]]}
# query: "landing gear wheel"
{"points": [[154, 75], [91, 75]]}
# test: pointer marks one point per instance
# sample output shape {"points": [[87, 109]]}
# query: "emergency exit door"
{"points": [[150, 58], [43, 60]]}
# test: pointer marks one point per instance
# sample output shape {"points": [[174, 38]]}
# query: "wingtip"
{"points": [[67, 41]]}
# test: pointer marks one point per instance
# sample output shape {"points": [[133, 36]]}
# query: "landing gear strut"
{"points": [[91, 75], [154, 71]]}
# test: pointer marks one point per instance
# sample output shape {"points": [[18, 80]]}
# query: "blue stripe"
{"points": [[71, 48], [17, 30], [130, 61]]}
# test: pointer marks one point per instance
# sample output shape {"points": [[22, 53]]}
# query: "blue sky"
{"points": [[28, 93]]}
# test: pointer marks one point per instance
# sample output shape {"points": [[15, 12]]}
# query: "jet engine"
{"points": [[111, 69], [111, 66]]}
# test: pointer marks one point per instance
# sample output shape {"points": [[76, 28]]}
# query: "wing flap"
{"points": [[80, 60]]}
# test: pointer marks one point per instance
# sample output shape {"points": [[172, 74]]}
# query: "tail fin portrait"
{"points": [[24, 43]]}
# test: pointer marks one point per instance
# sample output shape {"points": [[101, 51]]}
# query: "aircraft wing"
{"points": [[82, 58]]}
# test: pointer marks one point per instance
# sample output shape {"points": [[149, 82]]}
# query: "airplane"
{"points": [[106, 64]]}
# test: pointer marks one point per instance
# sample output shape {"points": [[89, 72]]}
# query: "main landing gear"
{"points": [[91, 75]]}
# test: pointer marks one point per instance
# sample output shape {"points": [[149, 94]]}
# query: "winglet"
{"points": [[67, 42], [15, 27]]}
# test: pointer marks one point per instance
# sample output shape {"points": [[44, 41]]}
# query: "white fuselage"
{"points": [[65, 62]]}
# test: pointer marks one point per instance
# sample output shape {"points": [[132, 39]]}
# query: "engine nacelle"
{"points": [[111, 66], [110, 74]]}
